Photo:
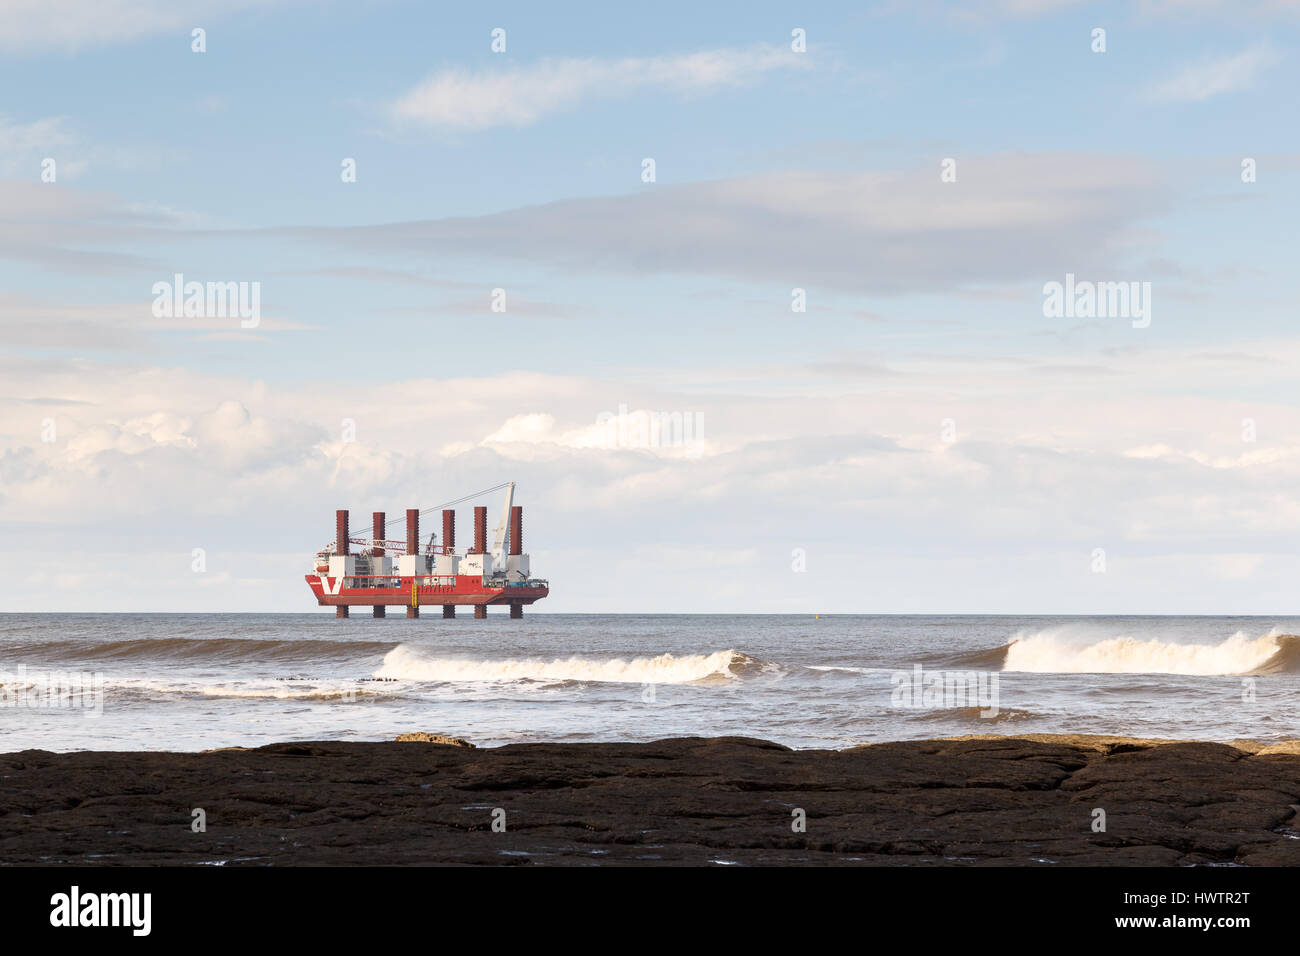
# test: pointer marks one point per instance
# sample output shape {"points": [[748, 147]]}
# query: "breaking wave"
{"points": [[994, 657], [339, 692], [1238, 655], [58, 686], [406, 663]]}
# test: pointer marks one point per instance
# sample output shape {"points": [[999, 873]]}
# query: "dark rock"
{"points": [[957, 802], [423, 738]]}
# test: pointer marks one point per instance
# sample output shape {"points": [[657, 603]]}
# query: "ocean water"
{"points": [[198, 681]]}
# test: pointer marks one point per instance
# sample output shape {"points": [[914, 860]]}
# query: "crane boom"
{"points": [[503, 529]]}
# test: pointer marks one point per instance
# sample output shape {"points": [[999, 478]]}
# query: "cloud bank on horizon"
{"points": [[751, 306]]}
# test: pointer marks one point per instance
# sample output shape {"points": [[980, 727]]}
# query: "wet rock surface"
{"points": [[421, 737], [955, 802]]}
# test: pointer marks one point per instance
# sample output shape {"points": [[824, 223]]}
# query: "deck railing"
{"points": [[427, 580]]}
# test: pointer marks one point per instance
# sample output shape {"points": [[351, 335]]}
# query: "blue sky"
{"points": [[775, 170]]}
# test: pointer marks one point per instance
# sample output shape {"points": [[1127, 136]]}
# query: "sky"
{"points": [[488, 241]]}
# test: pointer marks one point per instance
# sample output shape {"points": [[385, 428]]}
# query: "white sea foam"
{"points": [[409, 664], [340, 692], [1062, 653], [337, 690]]}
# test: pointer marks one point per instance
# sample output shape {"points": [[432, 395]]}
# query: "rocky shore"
{"points": [[429, 799]]}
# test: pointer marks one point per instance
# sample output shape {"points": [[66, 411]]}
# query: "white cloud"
{"points": [[116, 327], [1232, 74], [38, 26], [520, 96], [54, 227], [1044, 469], [1189, 10], [1034, 7], [39, 134], [24, 145], [1233, 9], [665, 433], [1011, 217]]}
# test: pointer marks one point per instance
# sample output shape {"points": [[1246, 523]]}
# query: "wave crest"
{"points": [[409, 664], [207, 649], [1238, 655], [994, 657]]}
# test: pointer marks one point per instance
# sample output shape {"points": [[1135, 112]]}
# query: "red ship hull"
{"points": [[465, 589]]}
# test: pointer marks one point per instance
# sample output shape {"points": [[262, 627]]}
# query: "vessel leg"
{"points": [[412, 612], [480, 610], [449, 610], [516, 609], [379, 611], [341, 610]]}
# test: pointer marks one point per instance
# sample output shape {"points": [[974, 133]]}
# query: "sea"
{"points": [[193, 682]]}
